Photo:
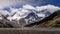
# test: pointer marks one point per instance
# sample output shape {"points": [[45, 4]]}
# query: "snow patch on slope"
{"points": [[17, 14]]}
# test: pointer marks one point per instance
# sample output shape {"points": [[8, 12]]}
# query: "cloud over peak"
{"points": [[24, 9], [49, 7]]}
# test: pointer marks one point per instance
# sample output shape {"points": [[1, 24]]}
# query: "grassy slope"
{"points": [[55, 22]]}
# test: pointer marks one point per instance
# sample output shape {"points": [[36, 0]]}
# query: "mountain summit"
{"points": [[27, 14]]}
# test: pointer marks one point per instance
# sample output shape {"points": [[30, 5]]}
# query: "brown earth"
{"points": [[55, 22]]}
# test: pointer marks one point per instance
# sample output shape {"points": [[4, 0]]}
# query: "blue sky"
{"points": [[53, 2], [45, 2], [42, 2], [35, 3]]}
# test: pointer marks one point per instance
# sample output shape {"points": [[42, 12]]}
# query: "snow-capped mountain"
{"points": [[29, 14]]}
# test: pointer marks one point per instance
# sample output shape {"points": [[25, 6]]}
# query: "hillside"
{"points": [[39, 16], [52, 21]]}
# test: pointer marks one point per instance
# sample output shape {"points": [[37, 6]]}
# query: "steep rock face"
{"points": [[32, 14], [22, 21]]}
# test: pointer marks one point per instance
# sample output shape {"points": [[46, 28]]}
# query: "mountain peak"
{"points": [[29, 13]]}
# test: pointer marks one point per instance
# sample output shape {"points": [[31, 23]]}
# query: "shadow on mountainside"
{"points": [[51, 21]]}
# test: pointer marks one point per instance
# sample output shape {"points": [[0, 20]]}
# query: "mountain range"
{"points": [[26, 15]]}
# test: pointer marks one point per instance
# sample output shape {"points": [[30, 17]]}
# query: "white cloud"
{"points": [[27, 6], [24, 10], [50, 8], [4, 12], [8, 3]]}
